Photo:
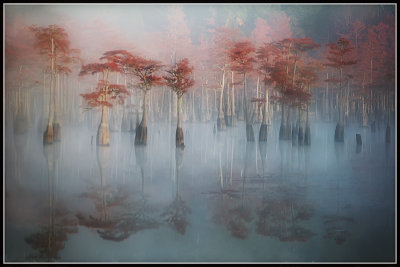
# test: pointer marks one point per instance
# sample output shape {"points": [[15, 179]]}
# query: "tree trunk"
{"points": [[339, 130], [141, 130], [307, 134], [249, 126], [179, 133], [57, 125], [221, 117], [103, 133], [48, 134], [233, 102], [263, 134], [282, 129]]}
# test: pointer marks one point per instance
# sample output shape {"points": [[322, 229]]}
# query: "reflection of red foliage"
{"points": [[175, 215]]}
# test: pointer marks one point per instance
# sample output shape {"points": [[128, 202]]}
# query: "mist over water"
{"points": [[247, 203], [220, 198]]}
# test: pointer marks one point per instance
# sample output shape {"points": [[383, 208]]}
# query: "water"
{"points": [[221, 199]]}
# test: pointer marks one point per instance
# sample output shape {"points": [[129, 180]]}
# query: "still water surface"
{"points": [[221, 199]]}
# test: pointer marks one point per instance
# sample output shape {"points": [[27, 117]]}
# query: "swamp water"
{"points": [[220, 199]]}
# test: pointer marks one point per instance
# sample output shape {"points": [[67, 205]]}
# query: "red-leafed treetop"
{"points": [[106, 91], [145, 71], [242, 56], [339, 54], [45, 35], [178, 78], [267, 56]]}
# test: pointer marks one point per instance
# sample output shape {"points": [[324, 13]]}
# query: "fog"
{"points": [[265, 169]]}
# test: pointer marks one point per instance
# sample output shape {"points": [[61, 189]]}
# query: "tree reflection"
{"points": [[279, 218], [50, 239], [176, 213], [229, 207], [130, 214]]}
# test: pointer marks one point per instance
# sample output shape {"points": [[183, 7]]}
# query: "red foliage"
{"points": [[178, 77], [104, 89], [339, 54], [144, 70], [242, 56]]}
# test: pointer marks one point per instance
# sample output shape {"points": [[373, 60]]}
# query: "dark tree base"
{"points": [[221, 125], [387, 135], [294, 136], [358, 140], [48, 135], [249, 133], [141, 135], [56, 132], [228, 120], [307, 136], [263, 134], [282, 132], [300, 136], [339, 132], [179, 138]]}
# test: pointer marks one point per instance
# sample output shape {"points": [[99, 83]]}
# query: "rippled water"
{"points": [[221, 199]]}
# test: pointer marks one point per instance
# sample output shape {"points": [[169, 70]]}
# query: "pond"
{"points": [[220, 199]]}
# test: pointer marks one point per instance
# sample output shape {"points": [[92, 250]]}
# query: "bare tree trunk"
{"points": [[141, 130], [221, 117], [57, 125], [103, 133], [179, 132], [249, 126], [48, 134]]}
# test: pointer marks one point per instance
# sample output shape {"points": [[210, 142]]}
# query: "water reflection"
{"points": [[120, 213], [51, 238], [175, 214], [248, 195]]}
